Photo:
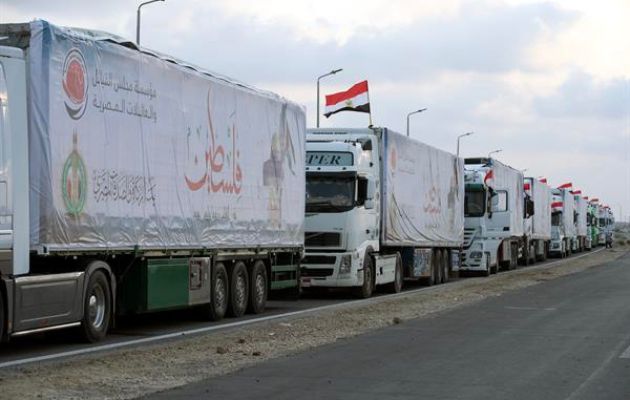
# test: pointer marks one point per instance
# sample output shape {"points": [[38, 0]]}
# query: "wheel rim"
{"points": [[259, 285], [96, 307]]}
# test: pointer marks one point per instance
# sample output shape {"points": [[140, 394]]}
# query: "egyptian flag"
{"points": [[543, 180], [576, 192], [489, 178], [354, 99], [567, 185]]}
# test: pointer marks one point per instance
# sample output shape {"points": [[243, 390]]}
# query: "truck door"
{"points": [[14, 182], [6, 208]]}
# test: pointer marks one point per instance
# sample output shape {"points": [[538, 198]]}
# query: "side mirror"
{"points": [[530, 207]]}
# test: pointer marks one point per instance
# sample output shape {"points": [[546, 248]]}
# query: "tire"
{"points": [[2, 314], [366, 289], [432, 279], [446, 266], [219, 293], [396, 286], [97, 308], [438, 267], [239, 290], [488, 270], [258, 288]]}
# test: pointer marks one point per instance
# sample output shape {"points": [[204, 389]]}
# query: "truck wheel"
{"points": [[219, 295], [365, 290], [488, 270], [258, 288], [1, 316], [396, 285], [438, 267], [239, 290], [446, 266], [97, 308]]}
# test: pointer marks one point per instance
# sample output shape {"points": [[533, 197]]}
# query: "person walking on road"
{"points": [[609, 240]]}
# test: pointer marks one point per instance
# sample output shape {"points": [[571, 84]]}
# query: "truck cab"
{"points": [[342, 207], [560, 240], [489, 232]]}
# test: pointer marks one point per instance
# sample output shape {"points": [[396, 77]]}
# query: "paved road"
{"points": [[568, 338]]}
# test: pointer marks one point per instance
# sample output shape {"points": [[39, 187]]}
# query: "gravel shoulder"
{"points": [[131, 373]]}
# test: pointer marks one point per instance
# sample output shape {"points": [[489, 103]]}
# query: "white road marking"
{"points": [[152, 339], [531, 308], [625, 354]]}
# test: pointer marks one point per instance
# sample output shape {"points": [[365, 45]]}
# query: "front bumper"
{"points": [[474, 260], [323, 270]]}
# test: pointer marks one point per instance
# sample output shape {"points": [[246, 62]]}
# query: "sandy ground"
{"points": [[131, 373]]}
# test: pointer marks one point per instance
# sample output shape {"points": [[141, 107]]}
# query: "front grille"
{"points": [[319, 260], [316, 272], [322, 239], [469, 234]]}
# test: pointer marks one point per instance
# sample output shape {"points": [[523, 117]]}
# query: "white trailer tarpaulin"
{"points": [[580, 209], [129, 148], [504, 178], [423, 194], [541, 195]]}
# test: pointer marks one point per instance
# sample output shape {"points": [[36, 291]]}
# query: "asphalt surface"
{"points": [[567, 338]]}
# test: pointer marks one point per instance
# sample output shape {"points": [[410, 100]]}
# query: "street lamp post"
{"points": [[494, 152], [333, 72], [412, 113], [461, 136], [138, 19]]}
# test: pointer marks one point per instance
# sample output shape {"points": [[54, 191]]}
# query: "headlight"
{"points": [[346, 264], [476, 254]]}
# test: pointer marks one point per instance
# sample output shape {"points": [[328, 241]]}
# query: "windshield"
{"points": [[474, 203], [328, 193], [555, 218]]}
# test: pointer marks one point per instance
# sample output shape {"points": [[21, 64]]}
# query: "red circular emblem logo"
{"points": [[75, 84]]}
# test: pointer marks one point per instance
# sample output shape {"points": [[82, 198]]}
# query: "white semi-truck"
{"points": [[580, 220], [380, 207], [133, 182], [494, 211], [537, 224], [606, 223], [563, 229]]}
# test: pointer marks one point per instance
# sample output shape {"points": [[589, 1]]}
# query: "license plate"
{"points": [[306, 282]]}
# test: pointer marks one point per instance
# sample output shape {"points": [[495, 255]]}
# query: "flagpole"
{"points": [[370, 103]]}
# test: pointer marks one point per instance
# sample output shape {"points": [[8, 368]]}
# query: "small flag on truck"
{"points": [[356, 98], [567, 185], [576, 192], [543, 180]]}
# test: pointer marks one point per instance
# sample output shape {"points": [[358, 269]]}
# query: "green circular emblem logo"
{"points": [[74, 183]]}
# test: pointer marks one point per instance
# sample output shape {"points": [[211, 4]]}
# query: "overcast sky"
{"points": [[546, 81]]}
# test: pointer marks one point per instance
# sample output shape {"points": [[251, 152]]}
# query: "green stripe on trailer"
{"points": [[284, 276], [154, 285], [167, 283]]}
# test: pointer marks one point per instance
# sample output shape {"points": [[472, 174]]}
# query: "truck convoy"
{"points": [[133, 182], [538, 224], [380, 207], [494, 212]]}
